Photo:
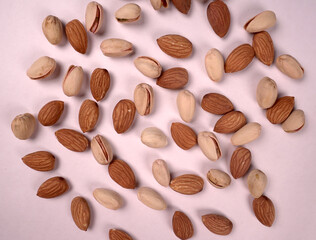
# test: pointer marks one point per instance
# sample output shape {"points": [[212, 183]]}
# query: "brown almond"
{"points": [[240, 162], [122, 174], [216, 103], [281, 109], [217, 224], [263, 47], [80, 212], [77, 36], [182, 225], [73, 140], [175, 45], [264, 210], [50, 113], [183, 135], [100, 82], [115, 234], [173, 78], [230, 122], [182, 5], [123, 115], [88, 115], [187, 184], [53, 187], [40, 161], [239, 58], [218, 16]]}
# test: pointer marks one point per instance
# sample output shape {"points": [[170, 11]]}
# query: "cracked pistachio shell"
{"points": [[218, 178], [290, 66], [214, 65], [261, 22], [186, 105], [101, 150], [148, 66], [151, 198], [209, 145], [115, 47], [41, 68], [157, 4], [248, 133], [267, 92], [154, 138], [94, 17], [73, 81], [128, 13], [294, 122], [23, 126], [257, 182], [108, 198], [161, 172], [144, 98], [52, 29]]}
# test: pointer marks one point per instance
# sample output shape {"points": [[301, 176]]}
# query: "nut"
{"points": [[77, 36], [248, 133], [216, 103], [123, 115], [257, 182], [144, 98], [261, 22], [281, 110], [294, 122], [267, 92], [186, 105], [148, 66], [183, 135], [73, 140], [151, 198], [183, 6], [218, 16], [182, 225], [88, 115], [80, 212], [217, 224], [173, 78], [115, 47], [290, 66], [101, 150], [240, 162], [188, 184], [209, 145], [41, 68], [214, 64], [50, 113], [122, 174], [154, 138], [73, 80], [23, 126], [94, 17], [100, 82], [239, 58], [108, 198], [218, 178], [115, 234], [40, 161], [175, 45], [52, 29], [161, 172], [53, 187], [230, 122], [157, 4], [264, 210], [128, 13], [263, 47]]}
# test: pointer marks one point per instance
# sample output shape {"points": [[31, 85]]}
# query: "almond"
{"points": [[218, 16], [264, 210], [263, 47], [239, 58], [77, 36], [182, 225], [173, 78], [182, 5], [73, 140], [123, 115], [100, 82], [122, 174], [175, 45], [40, 161], [240, 162], [88, 115], [53, 187], [230, 122], [183, 135], [187, 184], [115, 234], [80, 212], [50, 113], [280, 111], [217, 224], [216, 103]]}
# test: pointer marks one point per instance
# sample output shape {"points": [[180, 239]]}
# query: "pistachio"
{"points": [[23, 126], [144, 98], [209, 145], [101, 150], [151, 198], [248, 133], [52, 29], [154, 138], [73, 81], [128, 13], [41, 68], [218, 178], [115, 47], [94, 17], [214, 65], [108, 198], [261, 22], [294, 122], [290, 66], [257, 182], [186, 105], [157, 4], [267, 92], [161, 172], [148, 66]]}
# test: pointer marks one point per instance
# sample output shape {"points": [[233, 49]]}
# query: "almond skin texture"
{"points": [[240, 162], [188, 184], [239, 58], [216, 103], [264, 210], [88, 115], [122, 174], [217, 224], [263, 47], [218, 16], [173, 78], [280, 111], [100, 83], [53, 187], [40, 161], [50, 113], [123, 115], [80, 212], [183, 135], [182, 5], [230, 122], [73, 140], [182, 225], [77, 36], [175, 45], [115, 234]]}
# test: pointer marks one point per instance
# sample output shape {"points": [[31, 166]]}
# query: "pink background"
{"points": [[287, 159]]}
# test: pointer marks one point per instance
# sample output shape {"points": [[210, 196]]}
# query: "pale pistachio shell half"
{"points": [[218, 178], [161, 172], [290, 66], [151, 198], [267, 92], [214, 65], [154, 138], [144, 98], [257, 182], [94, 17], [52, 29], [73, 81], [23, 126], [261, 22], [101, 150], [115, 47], [209, 145], [157, 4], [41, 68], [294, 122], [108, 198], [148, 66], [248, 133], [186, 105], [128, 13]]}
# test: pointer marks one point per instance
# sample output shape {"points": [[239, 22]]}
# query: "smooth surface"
{"points": [[287, 159]]}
